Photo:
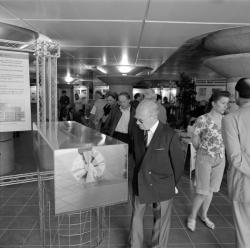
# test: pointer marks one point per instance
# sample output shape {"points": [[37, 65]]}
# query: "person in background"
{"points": [[236, 135], [200, 109], [111, 98], [150, 95], [159, 164], [167, 106], [64, 99], [120, 121], [137, 99], [96, 112], [71, 114], [210, 159], [64, 105]]}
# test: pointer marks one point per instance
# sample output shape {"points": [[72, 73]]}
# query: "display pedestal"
{"points": [[7, 155]]}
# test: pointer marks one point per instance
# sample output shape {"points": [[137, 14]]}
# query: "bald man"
{"points": [[236, 136], [159, 164]]}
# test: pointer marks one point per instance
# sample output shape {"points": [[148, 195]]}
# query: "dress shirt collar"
{"points": [[153, 128], [127, 109]]}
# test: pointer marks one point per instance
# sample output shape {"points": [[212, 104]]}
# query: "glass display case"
{"points": [[89, 168]]}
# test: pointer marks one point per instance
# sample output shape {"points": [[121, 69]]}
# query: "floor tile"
{"points": [[29, 211], [17, 201], [220, 200], [23, 223], [224, 235], [10, 210], [224, 209], [33, 238], [178, 236], [182, 200], [21, 213], [5, 222], [14, 237], [176, 222], [202, 236]]}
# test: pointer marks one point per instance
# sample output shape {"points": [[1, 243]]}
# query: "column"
{"points": [[7, 154]]}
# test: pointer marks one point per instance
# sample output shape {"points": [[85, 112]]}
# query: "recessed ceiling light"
{"points": [[99, 68], [68, 79], [125, 68]]}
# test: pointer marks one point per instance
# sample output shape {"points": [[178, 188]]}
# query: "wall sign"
{"points": [[15, 113]]}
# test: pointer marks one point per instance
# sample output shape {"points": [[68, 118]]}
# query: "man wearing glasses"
{"points": [[159, 164]]}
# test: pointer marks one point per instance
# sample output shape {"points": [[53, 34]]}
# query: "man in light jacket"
{"points": [[236, 135]]}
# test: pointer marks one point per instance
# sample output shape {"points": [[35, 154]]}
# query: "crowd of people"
{"points": [[157, 158]]}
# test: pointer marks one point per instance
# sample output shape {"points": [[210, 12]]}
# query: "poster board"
{"points": [[81, 96], [15, 112], [205, 91]]}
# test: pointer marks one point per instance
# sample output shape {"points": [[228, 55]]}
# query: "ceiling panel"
{"points": [[78, 9], [200, 10], [153, 63], [96, 32], [5, 14], [173, 35], [18, 23], [90, 33], [104, 54], [156, 53], [125, 54]]}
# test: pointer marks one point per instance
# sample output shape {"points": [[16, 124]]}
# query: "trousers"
{"points": [[161, 225], [241, 216]]}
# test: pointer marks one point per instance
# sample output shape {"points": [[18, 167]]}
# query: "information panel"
{"points": [[15, 113]]}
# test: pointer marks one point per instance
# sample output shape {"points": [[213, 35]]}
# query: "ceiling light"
{"points": [[86, 67], [104, 59], [99, 68], [23, 46], [124, 60], [68, 79], [125, 68]]}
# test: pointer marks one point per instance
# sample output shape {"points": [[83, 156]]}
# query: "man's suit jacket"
{"points": [[158, 170], [113, 119], [236, 136]]}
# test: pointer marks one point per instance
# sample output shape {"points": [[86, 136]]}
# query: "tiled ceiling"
{"points": [[148, 32]]}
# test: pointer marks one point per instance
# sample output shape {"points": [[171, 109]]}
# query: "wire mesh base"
{"points": [[78, 229]]}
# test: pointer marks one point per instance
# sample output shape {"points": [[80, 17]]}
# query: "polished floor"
{"points": [[19, 222], [19, 214]]}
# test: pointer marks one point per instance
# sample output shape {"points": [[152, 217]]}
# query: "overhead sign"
{"points": [[15, 113]]}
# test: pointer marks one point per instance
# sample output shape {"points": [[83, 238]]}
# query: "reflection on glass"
{"points": [[90, 168]]}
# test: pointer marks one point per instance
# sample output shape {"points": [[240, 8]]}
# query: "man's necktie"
{"points": [[145, 138]]}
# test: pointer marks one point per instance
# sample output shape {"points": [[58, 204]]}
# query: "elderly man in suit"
{"points": [[159, 164], [236, 135]]}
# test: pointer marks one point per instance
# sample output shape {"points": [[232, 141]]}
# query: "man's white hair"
{"points": [[149, 94], [150, 107]]}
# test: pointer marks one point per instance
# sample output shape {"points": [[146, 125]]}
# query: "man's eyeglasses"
{"points": [[139, 120]]}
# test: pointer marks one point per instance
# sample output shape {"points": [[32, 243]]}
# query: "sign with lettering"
{"points": [[15, 113]]}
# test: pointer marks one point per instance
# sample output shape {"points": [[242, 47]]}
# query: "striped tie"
{"points": [[145, 138]]}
